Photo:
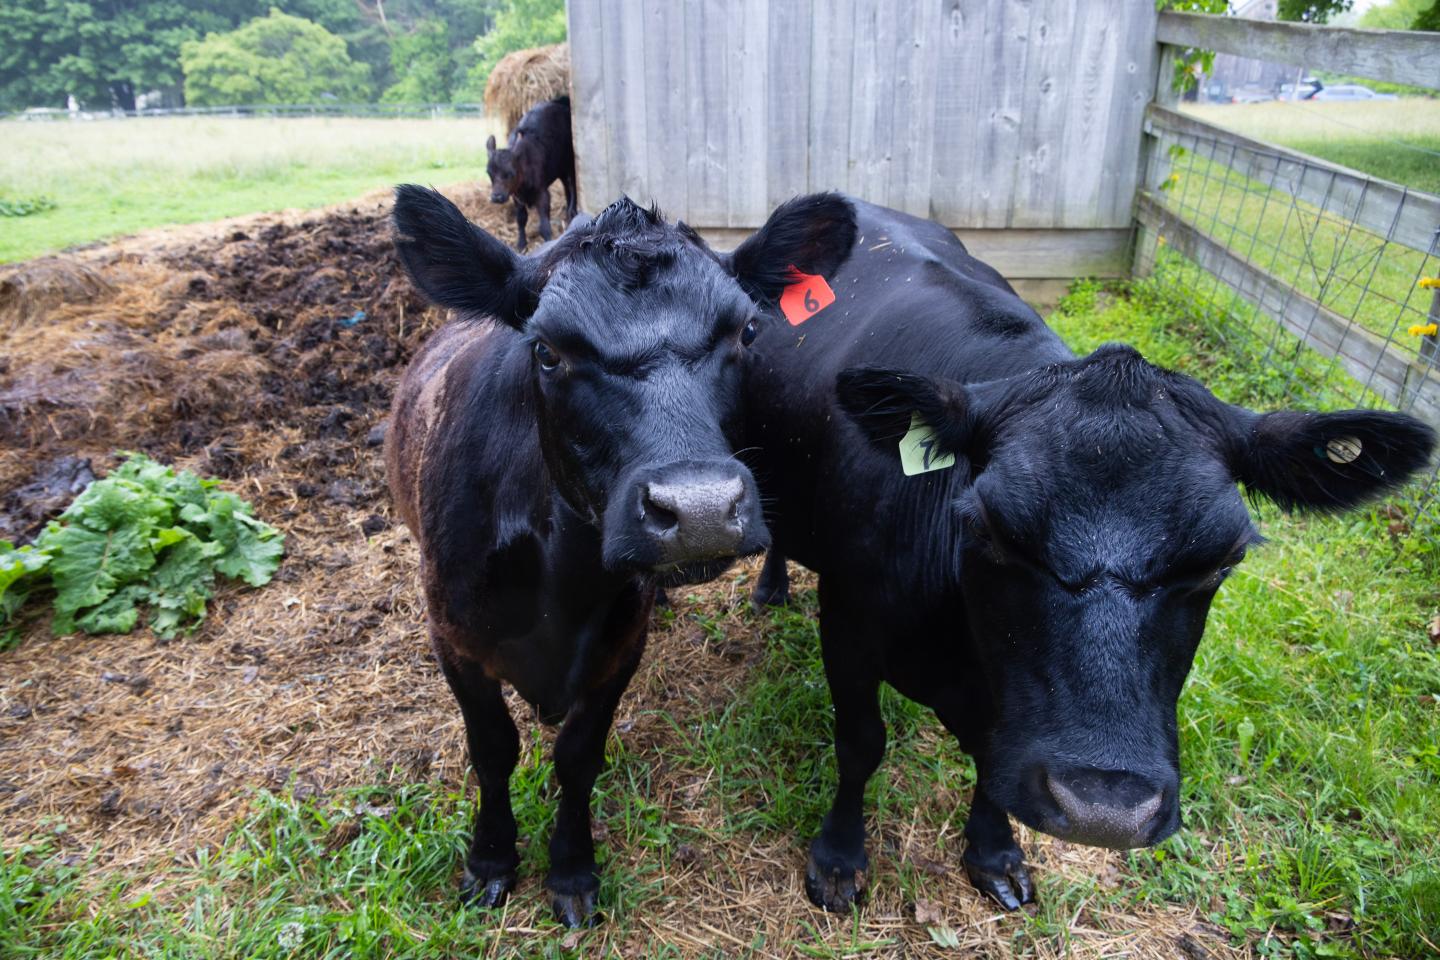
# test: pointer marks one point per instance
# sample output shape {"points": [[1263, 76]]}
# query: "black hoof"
{"points": [[575, 909], [835, 887], [770, 595], [486, 891], [1002, 877]]}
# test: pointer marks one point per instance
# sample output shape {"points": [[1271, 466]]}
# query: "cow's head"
{"points": [[500, 167], [1102, 517], [634, 331]]}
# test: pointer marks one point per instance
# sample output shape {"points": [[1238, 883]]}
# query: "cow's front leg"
{"points": [[568, 182], [773, 587], [494, 748], [542, 206], [835, 875], [573, 880], [993, 860], [522, 215]]}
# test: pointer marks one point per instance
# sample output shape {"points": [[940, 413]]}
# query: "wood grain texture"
{"points": [[1399, 56]]}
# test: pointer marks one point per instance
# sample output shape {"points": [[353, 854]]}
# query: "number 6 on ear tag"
{"points": [[920, 451]]}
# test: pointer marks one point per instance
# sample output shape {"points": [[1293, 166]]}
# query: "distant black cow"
{"points": [[539, 153], [1042, 578], [559, 452]]}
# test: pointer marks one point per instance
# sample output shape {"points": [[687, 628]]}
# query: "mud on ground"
{"points": [[263, 350]]}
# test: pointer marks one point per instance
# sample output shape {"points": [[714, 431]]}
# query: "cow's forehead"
{"points": [[679, 303]]}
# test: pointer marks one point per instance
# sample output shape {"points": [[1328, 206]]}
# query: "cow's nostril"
{"points": [[660, 518]]}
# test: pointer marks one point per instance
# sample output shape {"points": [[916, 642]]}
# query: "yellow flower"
{"points": [[1160, 240], [1427, 283], [1175, 178], [1424, 329]]}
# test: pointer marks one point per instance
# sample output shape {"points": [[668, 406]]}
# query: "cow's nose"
{"points": [[1105, 808], [695, 520]]}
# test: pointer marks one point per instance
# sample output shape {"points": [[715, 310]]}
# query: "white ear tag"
{"points": [[1343, 449], [919, 449]]}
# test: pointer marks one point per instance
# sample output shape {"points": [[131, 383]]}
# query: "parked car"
{"points": [[1251, 95], [1303, 90], [1349, 91]]}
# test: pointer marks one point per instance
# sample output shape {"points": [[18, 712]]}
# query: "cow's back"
{"points": [[910, 298]]}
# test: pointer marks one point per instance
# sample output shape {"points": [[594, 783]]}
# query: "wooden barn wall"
{"points": [[1017, 123]]}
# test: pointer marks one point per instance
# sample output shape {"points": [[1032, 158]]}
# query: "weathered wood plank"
{"points": [[707, 83], [1345, 193], [1007, 49], [831, 67], [667, 120], [912, 107], [1016, 254], [787, 95], [745, 107], [959, 74], [1399, 56], [1364, 356], [1046, 110], [588, 107], [1135, 65]]}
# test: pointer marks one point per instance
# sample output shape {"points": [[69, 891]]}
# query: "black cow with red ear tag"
{"points": [[1026, 541]]}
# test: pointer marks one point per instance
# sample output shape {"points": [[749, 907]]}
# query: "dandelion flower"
{"points": [[1427, 283], [1424, 329]]}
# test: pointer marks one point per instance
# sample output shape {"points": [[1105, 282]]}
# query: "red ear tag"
{"points": [[805, 297]]}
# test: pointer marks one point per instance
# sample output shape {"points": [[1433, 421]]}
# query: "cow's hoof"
{"points": [[832, 886], [575, 909], [573, 899], [486, 891], [1002, 877], [769, 595]]}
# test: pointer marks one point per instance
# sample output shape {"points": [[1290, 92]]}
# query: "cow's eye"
{"points": [[548, 358], [748, 332]]}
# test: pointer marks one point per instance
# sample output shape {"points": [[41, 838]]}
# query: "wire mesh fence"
{"points": [[1326, 275]]}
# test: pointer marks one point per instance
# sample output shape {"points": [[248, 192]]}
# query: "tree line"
{"points": [[109, 55]]}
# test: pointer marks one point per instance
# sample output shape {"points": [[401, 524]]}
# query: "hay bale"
{"points": [[32, 289], [524, 78]]}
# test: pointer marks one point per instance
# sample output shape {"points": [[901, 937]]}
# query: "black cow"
{"points": [[1045, 593], [561, 451], [540, 152]]}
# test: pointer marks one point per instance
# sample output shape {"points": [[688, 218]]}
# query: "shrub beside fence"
{"points": [[1322, 271]]}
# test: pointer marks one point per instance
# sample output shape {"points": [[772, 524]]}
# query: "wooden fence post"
{"points": [[1152, 157]]}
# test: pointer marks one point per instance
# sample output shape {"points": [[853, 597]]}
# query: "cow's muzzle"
{"points": [[686, 521], [1105, 808]]}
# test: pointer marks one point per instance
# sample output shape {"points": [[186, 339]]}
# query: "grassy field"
{"points": [[1397, 140], [1311, 793], [109, 178]]}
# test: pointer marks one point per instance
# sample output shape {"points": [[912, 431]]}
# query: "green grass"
{"points": [[110, 178], [1375, 138], [1309, 733]]}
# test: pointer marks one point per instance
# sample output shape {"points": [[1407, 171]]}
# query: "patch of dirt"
{"points": [[263, 350]]}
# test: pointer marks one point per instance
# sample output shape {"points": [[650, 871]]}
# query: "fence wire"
{"points": [[1272, 249]]}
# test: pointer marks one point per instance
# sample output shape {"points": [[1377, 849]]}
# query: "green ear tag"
{"points": [[919, 451]]}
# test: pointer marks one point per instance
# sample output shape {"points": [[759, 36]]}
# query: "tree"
{"points": [[102, 54], [272, 59], [423, 63], [1312, 11], [1427, 19], [519, 25]]}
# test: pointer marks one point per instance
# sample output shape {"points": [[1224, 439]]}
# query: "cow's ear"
{"points": [[490, 145], [458, 265], [1327, 461], [812, 234], [883, 402]]}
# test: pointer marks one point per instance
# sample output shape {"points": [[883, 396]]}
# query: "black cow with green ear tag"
{"points": [[1026, 541], [559, 450]]}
